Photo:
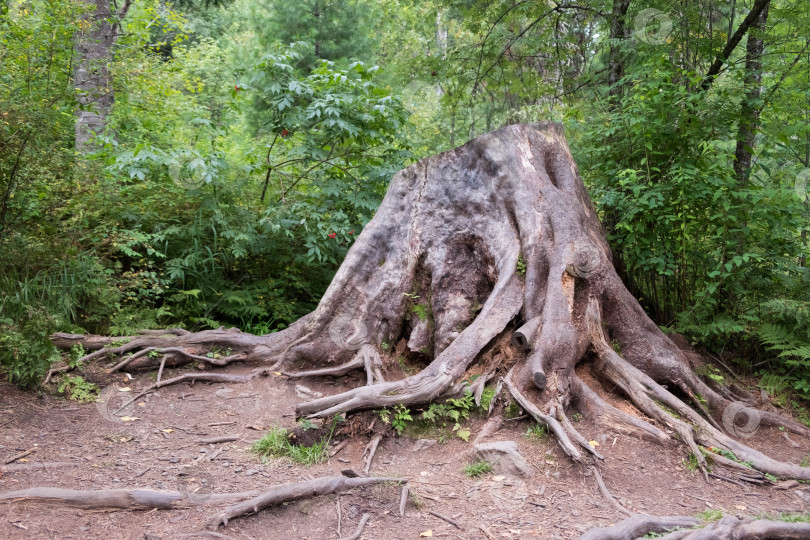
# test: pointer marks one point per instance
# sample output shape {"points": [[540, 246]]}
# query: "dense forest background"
{"points": [[240, 147]]}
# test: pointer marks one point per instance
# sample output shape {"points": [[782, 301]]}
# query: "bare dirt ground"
{"points": [[158, 448]]}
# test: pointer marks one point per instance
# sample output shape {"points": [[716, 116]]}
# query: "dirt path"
{"points": [[159, 449]]}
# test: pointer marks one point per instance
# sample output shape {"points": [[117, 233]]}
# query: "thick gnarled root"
{"points": [[688, 528], [290, 492]]}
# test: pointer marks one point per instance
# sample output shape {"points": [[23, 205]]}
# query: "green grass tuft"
{"points": [[479, 468], [276, 444]]}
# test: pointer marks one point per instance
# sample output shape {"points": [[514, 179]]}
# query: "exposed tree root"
{"points": [[194, 377], [290, 492], [371, 449], [489, 428], [126, 499], [19, 467], [606, 492], [546, 420], [687, 528], [403, 500], [360, 526], [638, 526], [445, 518]]}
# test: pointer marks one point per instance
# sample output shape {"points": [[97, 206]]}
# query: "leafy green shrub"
{"points": [[78, 389], [443, 416], [788, 336], [26, 353]]}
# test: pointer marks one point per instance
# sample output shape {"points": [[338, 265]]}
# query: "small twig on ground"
{"points": [[360, 527], [403, 500], [18, 467], [486, 532], [215, 440], [21, 455], [338, 517], [445, 518], [371, 449], [338, 448], [606, 493]]}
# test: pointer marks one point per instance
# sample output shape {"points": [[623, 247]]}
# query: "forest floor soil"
{"points": [[157, 447]]}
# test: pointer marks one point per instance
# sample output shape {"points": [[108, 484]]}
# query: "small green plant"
{"points": [[692, 463], [788, 517], [401, 416], [479, 468], [728, 455], [486, 397], [711, 372], [421, 310], [403, 365], [771, 477], [385, 346], [577, 417], [668, 410], [521, 266], [805, 461], [76, 353], [454, 410], [710, 514], [77, 389], [417, 501], [437, 415], [537, 433], [513, 410], [277, 444], [616, 346]]}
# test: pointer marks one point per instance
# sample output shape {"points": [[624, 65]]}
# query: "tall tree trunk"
{"points": [[91, 75], [618, 32], [751, 107]]}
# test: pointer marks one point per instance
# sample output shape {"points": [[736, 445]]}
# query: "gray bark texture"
{"points": [[91, 74], [689, 528], [468, 247]]}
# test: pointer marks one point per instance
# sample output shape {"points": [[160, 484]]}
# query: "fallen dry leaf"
{"points": [[427, 533], [125, 389], [498, 478], [168, 430]]}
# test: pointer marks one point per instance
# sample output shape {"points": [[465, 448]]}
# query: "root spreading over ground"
{"points": [[487, 259]]}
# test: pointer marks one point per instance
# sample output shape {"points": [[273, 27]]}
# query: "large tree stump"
{"points": [[438, 266]]}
